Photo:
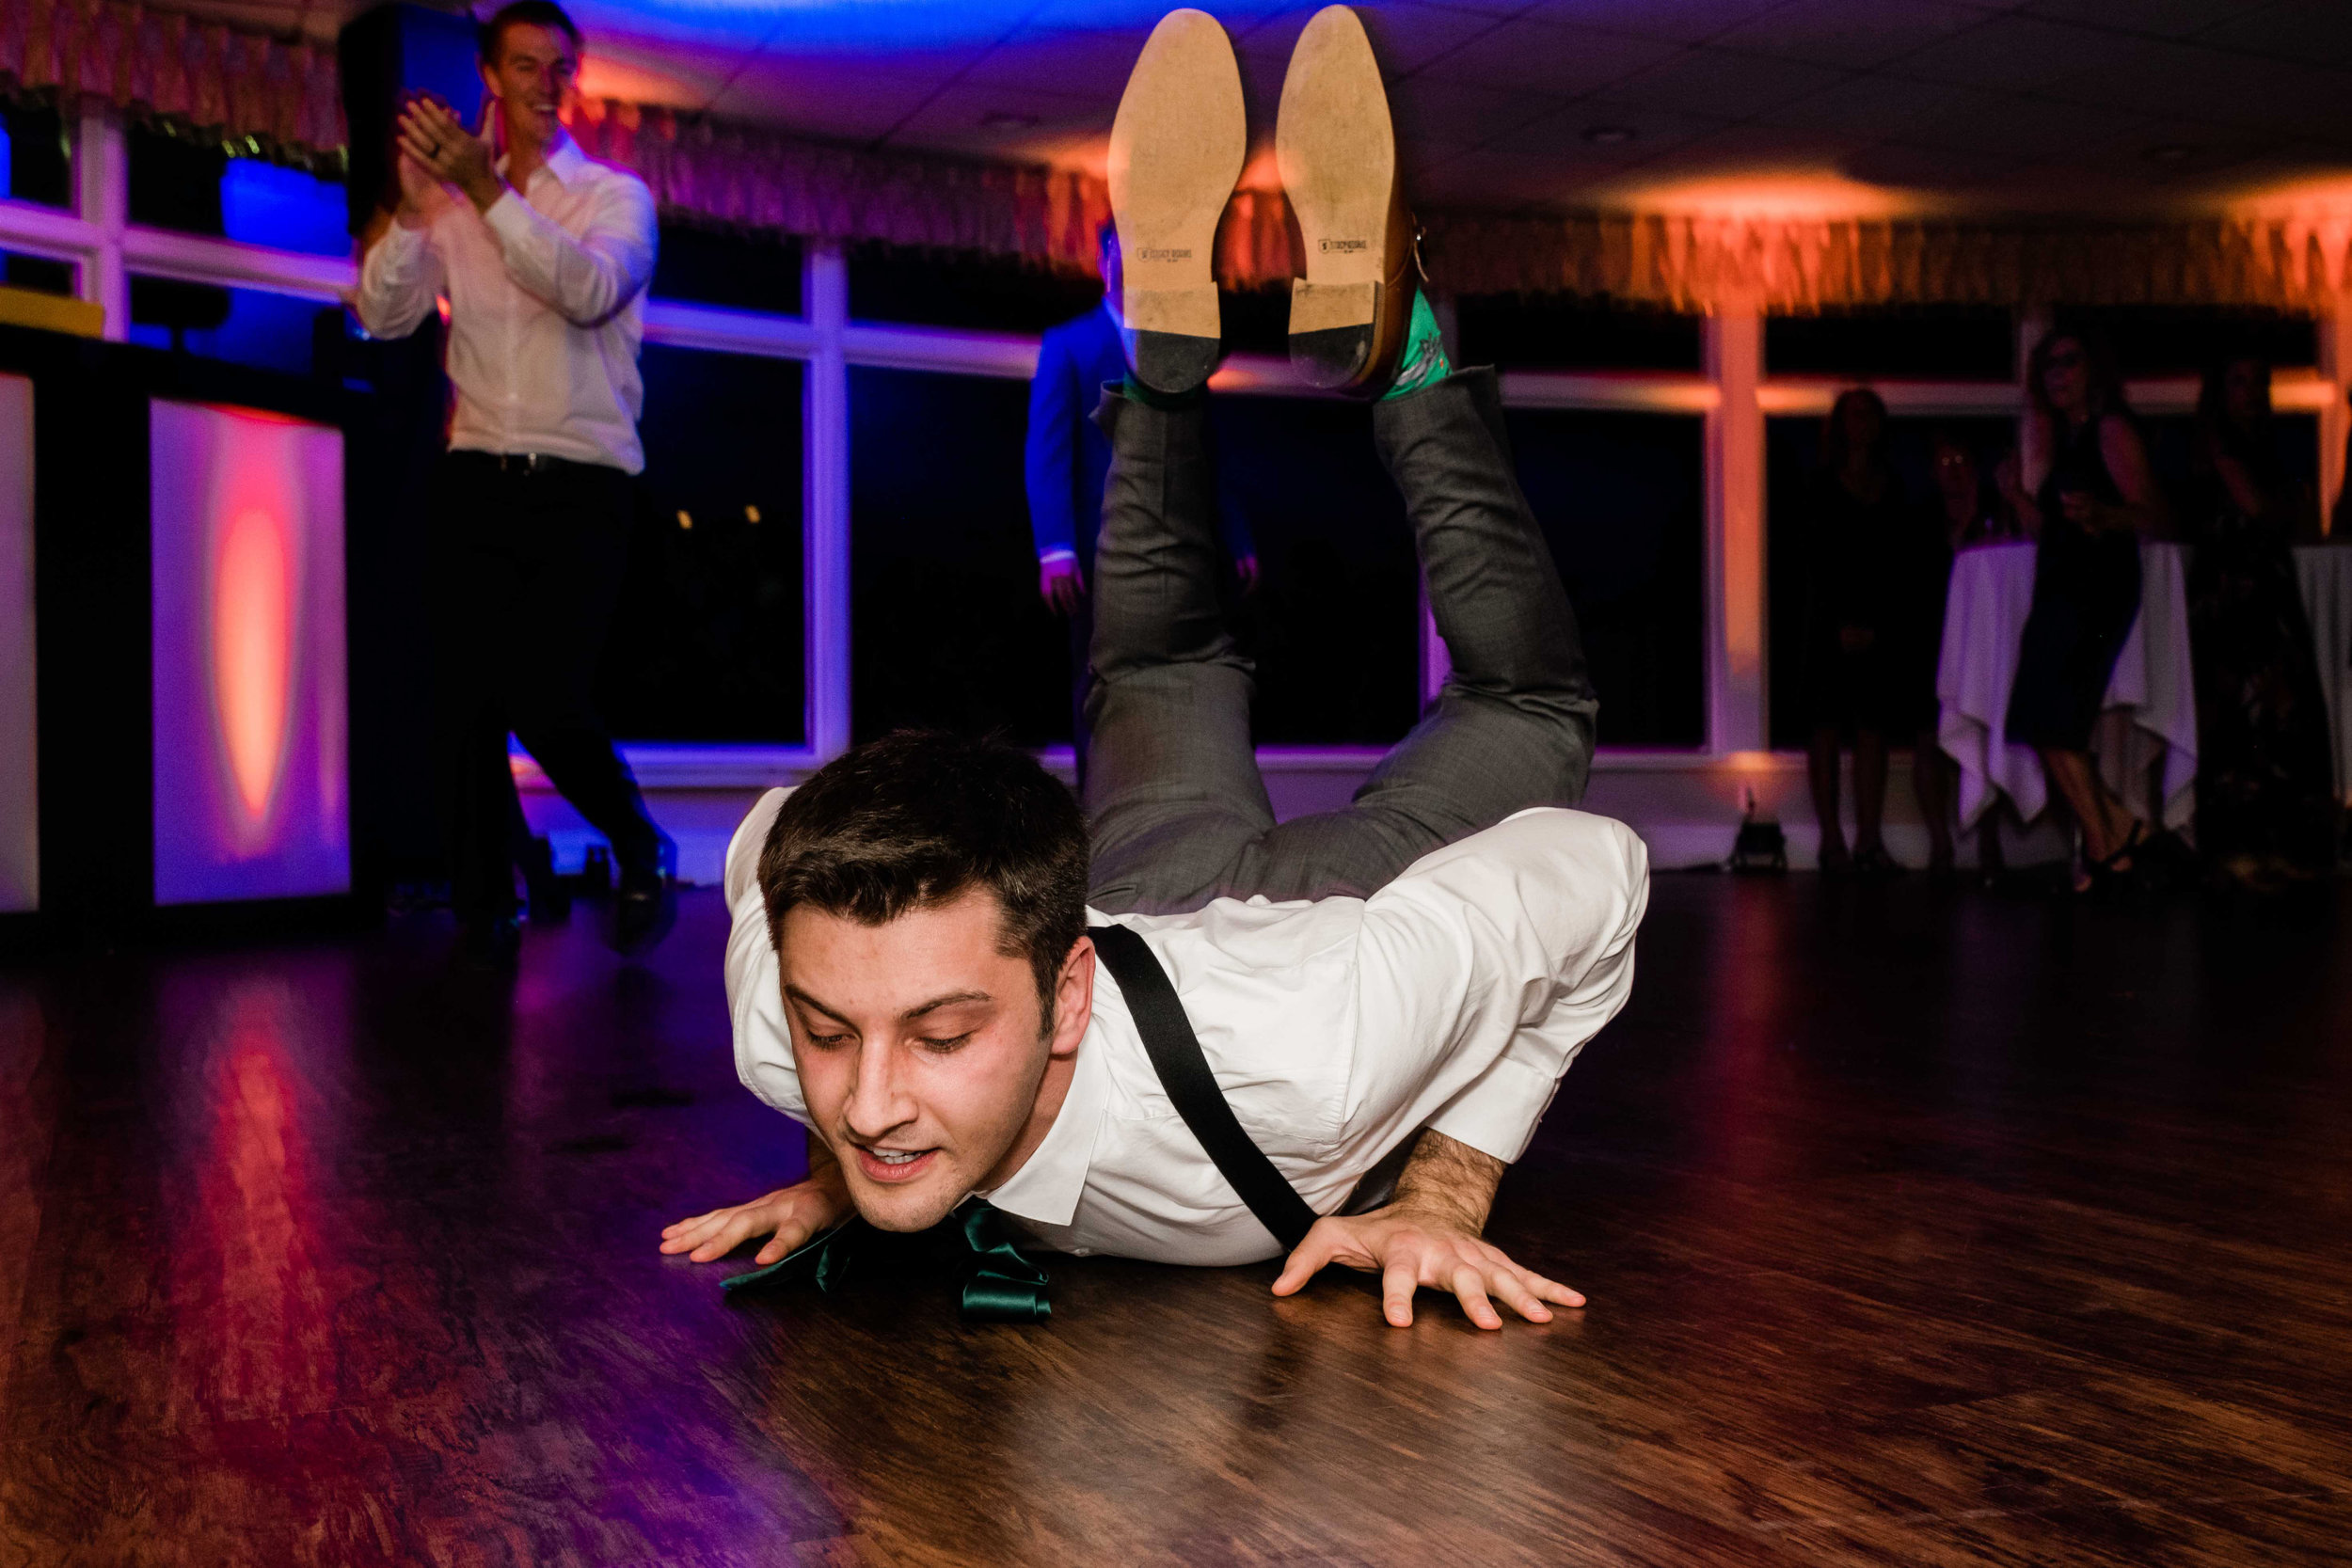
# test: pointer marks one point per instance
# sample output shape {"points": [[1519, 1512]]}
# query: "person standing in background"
{"points": [[2265, 803], [543, 255], [1861, 676], [1068, 458], [2089, 498]]}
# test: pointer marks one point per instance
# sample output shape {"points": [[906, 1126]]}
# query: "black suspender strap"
{"points": [[1175, 1052]]}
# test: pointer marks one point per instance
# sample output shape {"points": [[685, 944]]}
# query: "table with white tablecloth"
{"points": [[2325, 574], [2146, 737]]}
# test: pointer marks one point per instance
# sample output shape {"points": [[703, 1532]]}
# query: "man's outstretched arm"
{"points": [[794, 1215], [1431, 1234]]}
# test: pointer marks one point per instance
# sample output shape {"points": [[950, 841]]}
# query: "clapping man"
{"points": [[543, 255]]}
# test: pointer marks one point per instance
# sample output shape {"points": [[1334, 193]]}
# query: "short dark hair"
{"points": [[918, 818], [491, 35]]}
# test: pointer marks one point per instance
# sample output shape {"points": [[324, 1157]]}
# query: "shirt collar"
{"points": [[564, 160], [1047, 1186]]}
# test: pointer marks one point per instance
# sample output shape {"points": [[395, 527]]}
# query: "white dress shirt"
{"points": [[1455, 998], [546, 309]]}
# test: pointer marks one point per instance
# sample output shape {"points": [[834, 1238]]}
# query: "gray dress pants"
{"points": [[1177, 810]]}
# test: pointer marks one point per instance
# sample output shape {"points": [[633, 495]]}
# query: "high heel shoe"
{"points": [[2110, 876]]}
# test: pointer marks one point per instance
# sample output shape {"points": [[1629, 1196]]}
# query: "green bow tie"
{"points": [[1000, 1285]]}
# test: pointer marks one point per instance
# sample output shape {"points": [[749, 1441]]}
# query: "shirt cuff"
{"points": [[1498, 1113], [1060, 552]]}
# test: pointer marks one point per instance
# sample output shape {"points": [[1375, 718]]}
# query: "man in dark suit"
{"points": [[1068, 459]]}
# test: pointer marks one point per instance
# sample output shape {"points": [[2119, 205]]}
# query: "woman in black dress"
{"points": [[1861, 618], [2091, 499], [2265, 806]]}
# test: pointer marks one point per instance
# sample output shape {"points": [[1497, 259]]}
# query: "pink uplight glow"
{"points": [[252, 649], [251, 764]]}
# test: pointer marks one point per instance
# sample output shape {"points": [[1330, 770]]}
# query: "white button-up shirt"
{"points": [[546, 309], [1455, 998]]}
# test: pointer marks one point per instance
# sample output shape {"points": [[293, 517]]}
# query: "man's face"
{"points": [[534, 70], [920, 1048]]}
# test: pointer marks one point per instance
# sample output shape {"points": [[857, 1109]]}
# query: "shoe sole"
{"points": [[1336, 148], [1177, 149]]}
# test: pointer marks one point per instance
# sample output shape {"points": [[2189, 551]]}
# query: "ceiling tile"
{"points": [[2014, 53], [2159, 77], [821, 97], [1062, 60], [1496, 178], [1874, 107], [1404, 38], [1675, 21], [2030, 129], [1140, 16], [1565, 134], [1715, 82], [2316, 32], [1933, 168], [2161, 18], [636, 72], [1433, 116], [1734, 150], [1854, 33], [1019, 125], [1549, 58]]}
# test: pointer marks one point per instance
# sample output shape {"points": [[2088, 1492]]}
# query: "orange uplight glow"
{"points": [[1784, 194], [253, 643]]}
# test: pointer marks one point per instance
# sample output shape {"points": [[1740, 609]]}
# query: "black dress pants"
{"points": [[529, 562]]}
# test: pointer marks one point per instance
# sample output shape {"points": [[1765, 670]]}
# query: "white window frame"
{"points": [[1732, 393]]}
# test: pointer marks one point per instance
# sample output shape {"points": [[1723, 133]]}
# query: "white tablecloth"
{"points": [[2325, 572], [2150, 713]]}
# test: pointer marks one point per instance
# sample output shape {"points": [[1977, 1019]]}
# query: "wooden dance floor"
{"points": [[1919, 1229]]}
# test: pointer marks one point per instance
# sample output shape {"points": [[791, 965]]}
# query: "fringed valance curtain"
{"points": [[1796, 266], [279, 98], [1802, 265], [716, 173]]}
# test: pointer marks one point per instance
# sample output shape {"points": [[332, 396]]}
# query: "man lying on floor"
{"points": [[1170, 1028]]}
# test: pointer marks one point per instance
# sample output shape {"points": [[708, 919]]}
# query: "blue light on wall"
{"points": [[262, 203]]}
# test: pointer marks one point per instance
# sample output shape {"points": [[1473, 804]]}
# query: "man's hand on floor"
{"points": [[1409, 1248], [788, 1216], [1431, 1236]]}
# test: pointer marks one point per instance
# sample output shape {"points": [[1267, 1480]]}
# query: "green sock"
{"points": [[1151, 399], [1423, 362]]}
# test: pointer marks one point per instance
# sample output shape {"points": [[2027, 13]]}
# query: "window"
{"points": [[739, 271], [708, 641], [1792, 478], [175, 183], [264, 203], [1955, 343], [39, 158], [37, 273], [948, 630], [944, 287], [197, 188], [1563, 333], [1621, 502], [1335, 623], [2189, 340], [248, 327]]}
